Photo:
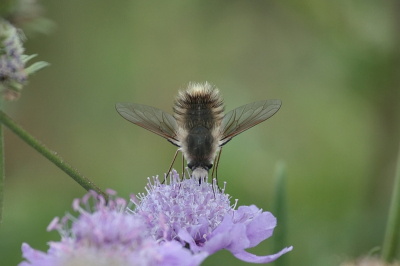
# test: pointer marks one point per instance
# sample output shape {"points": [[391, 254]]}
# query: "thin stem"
{"points": [[280, 211], [50, 155], [1, 172], [391, 240]]}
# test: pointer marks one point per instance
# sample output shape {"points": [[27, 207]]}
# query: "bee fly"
{"points": [[198, 127]]}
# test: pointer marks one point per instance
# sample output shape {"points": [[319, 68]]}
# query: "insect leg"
{"points": [[183, 167], [173, 160], [212, 173], [216, 166]]}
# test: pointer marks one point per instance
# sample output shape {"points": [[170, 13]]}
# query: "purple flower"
{"points": [[201, 216], [11, 61], [13, 73], [104, 234]]}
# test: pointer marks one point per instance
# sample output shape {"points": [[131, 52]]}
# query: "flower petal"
{"points": [[248, 257], [260, 228], [225, 226], [185, 236], [217, 243], [32, 255], [228, 236], [173, 254], [239, 238]]}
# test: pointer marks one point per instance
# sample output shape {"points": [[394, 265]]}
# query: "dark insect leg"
{"points": [[216, 171], [183, 167], [212, 173], [169, 170], [216, 166]]}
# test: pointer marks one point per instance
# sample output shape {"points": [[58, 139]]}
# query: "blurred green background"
{"points": [[334, 65]]}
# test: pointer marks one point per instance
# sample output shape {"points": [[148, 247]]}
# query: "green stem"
{"points": [[50, 155], [1, 172], [391, 240], [280, 212]]}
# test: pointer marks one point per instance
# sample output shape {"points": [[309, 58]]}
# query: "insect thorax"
{"points": [[199, 105]]}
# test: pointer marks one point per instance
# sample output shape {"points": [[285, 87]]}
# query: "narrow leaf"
{"points": [[280, 212], [391, 241], [36, 67]]}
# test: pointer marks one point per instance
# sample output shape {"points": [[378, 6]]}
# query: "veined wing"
{"points": [[247, 116], [150, 118]]}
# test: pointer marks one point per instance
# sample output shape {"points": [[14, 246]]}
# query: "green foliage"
{"points": [[281, 213]]}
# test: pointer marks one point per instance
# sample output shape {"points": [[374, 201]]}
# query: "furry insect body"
{"points": [[198, 127], [199, 112], [199, 105]]}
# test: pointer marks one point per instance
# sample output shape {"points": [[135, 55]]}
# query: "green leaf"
{"points": [[280, 212], [391, 239], [26, 58], [36, 67]]}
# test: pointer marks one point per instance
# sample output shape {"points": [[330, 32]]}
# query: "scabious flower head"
{"points": [[197, 208], [201, 215], [104, 234], [11, 52], [13, 74]]}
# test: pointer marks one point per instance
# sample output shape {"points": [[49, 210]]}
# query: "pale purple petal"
{"points": [[38, 258], [174, 255], [75, 204], [216, 243], [185, 236], [248, 257], [30, 253], [54, 224], [228, 236], [224, 227], [260, 228], [239, 238]]}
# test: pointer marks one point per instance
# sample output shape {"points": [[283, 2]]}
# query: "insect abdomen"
{"points": [[200, 144]]}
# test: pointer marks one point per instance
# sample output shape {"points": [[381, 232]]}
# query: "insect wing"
{"points": [[247, 116], [150, 118]]}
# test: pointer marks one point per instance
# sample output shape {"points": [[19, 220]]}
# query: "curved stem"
{"points": [[50, 155], [391, 240], [1, 172], [280, 211]]}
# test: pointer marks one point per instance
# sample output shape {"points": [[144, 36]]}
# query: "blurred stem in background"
{"points": [[391, 240], [50, 155], [1, 172], [373, 73], [280, 211]]}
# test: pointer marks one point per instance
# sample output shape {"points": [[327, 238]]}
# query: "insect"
{"points": [[198, 127]]}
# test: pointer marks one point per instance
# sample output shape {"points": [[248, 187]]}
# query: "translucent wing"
{"points": [[247, 116], [150, 118]]}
